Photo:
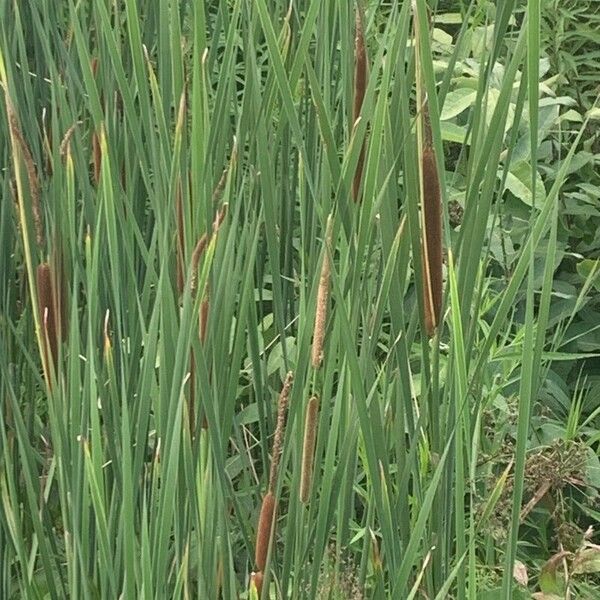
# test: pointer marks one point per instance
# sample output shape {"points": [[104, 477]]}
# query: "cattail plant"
{"points": [[431, 207], [65, 143], [199, 250], [205, 304], [203, 311], [48, 283], [360, 85], [265, 529], [47, 313], [96, 157], [32, 177], [280, 428], [308, 447], [322, 301], [220, 217], [432, 229]]}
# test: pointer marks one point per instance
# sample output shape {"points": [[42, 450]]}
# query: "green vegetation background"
{"points": [[138, 411]]}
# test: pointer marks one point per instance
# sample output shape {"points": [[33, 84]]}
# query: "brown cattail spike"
{"points": [[47, 313], [34, 184], [426, 119], [265, 530], [280, 428], [220, 217], [322, 301], [223, 180], [432, 230], [308, 448], [220, 185], [360, 85], [65, 143]]}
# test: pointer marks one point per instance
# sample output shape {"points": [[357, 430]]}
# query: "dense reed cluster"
{"points": [[241, 353]]}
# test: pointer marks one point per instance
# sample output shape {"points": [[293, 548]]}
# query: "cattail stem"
{"points": [[264, 532], [256, 580], [322, 301], [180, 254], [360, 85], [59, 288], [203, 318], [308, 448]]}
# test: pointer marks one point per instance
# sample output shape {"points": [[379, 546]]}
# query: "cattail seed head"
{"points": [[47, 312], [96, 157], [432, 243], [322, 301], [223, 179], [220, 217], [360, 85], [265, 530], [280, 428], [220, 185], [94, 66], [32, 177], [65, 143], [308, 448], [431, 207], [426, 124]]}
